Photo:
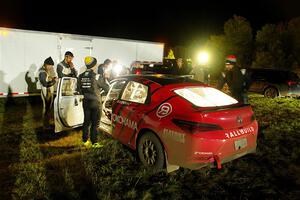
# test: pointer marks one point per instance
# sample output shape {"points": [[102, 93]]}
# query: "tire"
{"points": [[151, 152], [271, 92]]}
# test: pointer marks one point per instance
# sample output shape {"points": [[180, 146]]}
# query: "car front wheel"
{"points": [[150, 151], [271, 92]]}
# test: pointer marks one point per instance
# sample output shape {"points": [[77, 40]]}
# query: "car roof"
{"points": [[164, 79]]}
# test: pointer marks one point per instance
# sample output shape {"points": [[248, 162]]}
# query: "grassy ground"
{"points": [[42, 165]]}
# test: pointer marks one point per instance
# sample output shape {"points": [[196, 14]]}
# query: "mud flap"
{"points": [[218, 161], [170, 168]]}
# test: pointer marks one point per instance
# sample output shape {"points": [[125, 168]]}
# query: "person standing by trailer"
{"points": [[47, 91], [89, 84], [66, 67], [104, 68]]}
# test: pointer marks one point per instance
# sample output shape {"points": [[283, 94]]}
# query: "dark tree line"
{"points": [[274, 46]]}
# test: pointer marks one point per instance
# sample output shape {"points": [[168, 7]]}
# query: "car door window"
{"points": [[114, 92], [69, 87], [135, 92]]}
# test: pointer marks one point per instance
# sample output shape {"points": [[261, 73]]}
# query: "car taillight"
{"points": [[290, 83], [195, 127], [138, 71]]}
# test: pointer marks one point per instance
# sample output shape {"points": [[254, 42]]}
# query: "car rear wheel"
{"points": [[150, 151], [271, 92]]}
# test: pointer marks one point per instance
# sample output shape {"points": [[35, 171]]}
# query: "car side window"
{"points": [[258, 75], [135, 92], [114, 93], [116, 90], [69, 87]]}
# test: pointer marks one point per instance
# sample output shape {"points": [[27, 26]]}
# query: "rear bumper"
{"points": [[291, 91], [209, 149], [216, 162]]}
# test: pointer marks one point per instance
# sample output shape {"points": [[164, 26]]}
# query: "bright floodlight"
{"points": [[117, 69], [203, 58]]}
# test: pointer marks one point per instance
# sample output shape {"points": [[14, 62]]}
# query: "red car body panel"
{"points": [[230, 126]]}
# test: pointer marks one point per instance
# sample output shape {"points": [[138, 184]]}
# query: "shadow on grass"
{"points": [[11, 120], [49, 135], [67, 178]]}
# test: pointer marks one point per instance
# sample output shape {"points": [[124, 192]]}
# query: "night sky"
{"points": [[174, 23]]}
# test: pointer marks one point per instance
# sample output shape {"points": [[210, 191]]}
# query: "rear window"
{"points": [[205, 96], [293, 76]]}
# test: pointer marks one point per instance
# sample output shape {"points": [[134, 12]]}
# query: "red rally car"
{"points": [[174, 121]]}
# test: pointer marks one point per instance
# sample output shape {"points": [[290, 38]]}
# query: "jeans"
{"points": [[47, 97]]}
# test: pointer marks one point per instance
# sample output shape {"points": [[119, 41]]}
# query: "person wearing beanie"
{"points": [[66, 67], [47, 92], [235, 80], [89, 84]]}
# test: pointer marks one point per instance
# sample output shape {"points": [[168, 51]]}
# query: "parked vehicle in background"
{"points": [[274, 83]]}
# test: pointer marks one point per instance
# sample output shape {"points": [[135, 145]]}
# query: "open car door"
{"points": [[68, 110], [116, 87]]}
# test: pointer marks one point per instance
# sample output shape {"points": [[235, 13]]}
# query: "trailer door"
{"points": [[68, 110]]}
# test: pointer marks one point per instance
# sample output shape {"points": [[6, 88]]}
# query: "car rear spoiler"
{"points": [[221, 108]]}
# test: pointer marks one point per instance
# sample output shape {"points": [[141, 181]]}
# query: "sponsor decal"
{"points": [[239, 120], [239, 132], [203, 153], [164, 110], [124, 121], [174, 135]]}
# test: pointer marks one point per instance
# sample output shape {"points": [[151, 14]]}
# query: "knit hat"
{"points": [[231, 59], [90, 62], [69, 53], [48, 61]]}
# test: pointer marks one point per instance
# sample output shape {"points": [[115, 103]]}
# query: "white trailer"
{"points": [[22, 53]]}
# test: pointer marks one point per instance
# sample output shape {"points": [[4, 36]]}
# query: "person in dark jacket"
{"points": [[89, 84], [235, 80], [47, 82], [104, 71], [104, 68], [66, 67], [181, 68]]}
